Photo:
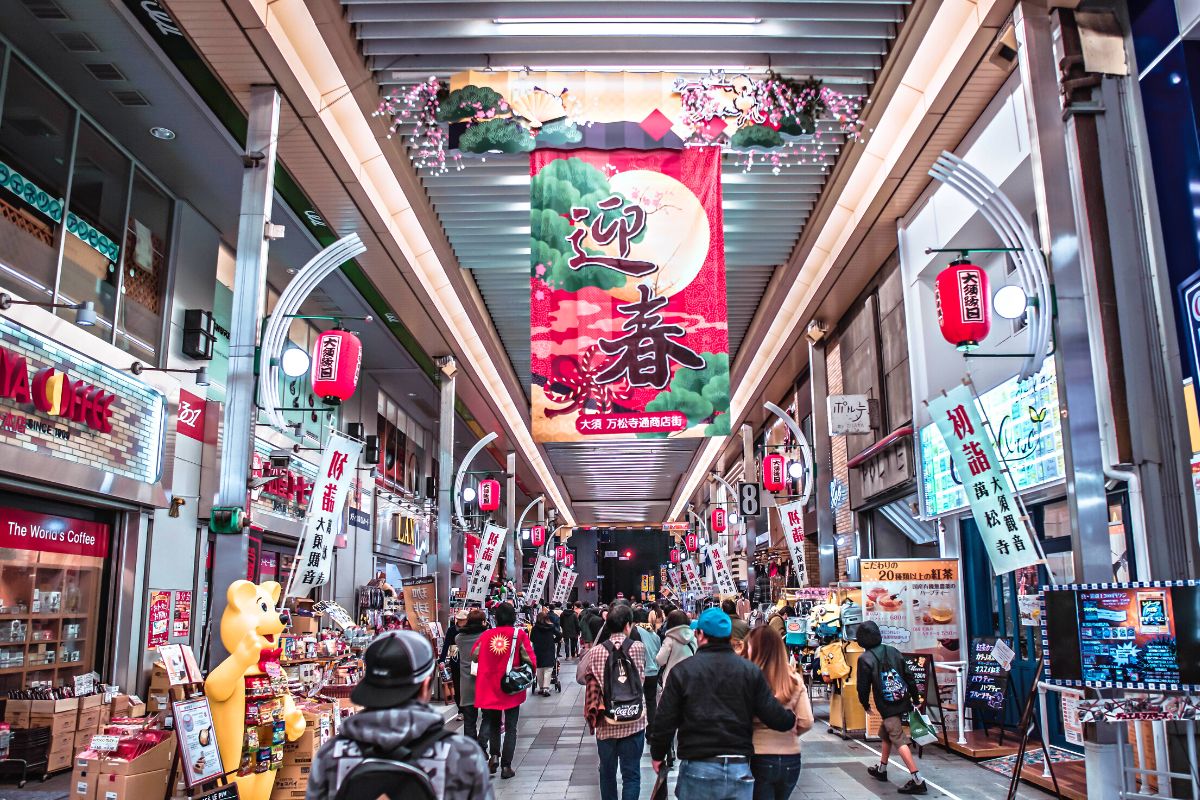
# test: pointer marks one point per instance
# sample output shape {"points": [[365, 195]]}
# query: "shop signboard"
{"points": [[63, 404], [537, 582], [723, 579], [1006, 535], [987, 678], [849, 413], [629, 331], [189, 420], [488, 552], [49, 533], [324, 516], [1026, 420], [197, 741], [791, 515], [915, 603], [420, 601]]}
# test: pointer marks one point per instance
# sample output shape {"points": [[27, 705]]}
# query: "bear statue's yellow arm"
{"points": [[251, 623]]}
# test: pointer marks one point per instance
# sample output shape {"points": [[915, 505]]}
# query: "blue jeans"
{"points": [[627, 751], [775, 776], [708, 780]]}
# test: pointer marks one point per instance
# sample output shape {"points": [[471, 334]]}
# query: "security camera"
{"points": [[816, 331], [281, 458], [448, 366]]}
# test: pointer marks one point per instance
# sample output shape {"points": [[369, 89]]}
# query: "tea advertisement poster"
{"points": [[915, 603]]}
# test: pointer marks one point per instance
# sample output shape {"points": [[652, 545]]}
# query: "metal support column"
{"points": [[750, 475], [445, 498], [1083, 457], [258, 179], [822, 465], [510, 521]]}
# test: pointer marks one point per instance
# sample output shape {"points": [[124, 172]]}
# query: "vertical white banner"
{"points": [[676, 585], [792, 517], [724, 580], [324, 518], [490, 545], [537, 582], [691, 575], [563, 588]]}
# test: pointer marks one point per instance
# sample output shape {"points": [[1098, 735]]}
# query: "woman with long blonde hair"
{"points": [[776, 761]]}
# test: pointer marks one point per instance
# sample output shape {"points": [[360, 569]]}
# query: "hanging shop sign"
{"points": [[49, 533], [791, 515], [1006, 535], [323, 520], [566, 582], [1025, 417], [629, 330], [961, 294], [420, 601], [673, 574], [691, 575], [537, 582], [724, 580], [336, 364], [189, 420], [62, 404], [849, 413], [774, 472], [914, 601], [488, 554], [289, 494]]}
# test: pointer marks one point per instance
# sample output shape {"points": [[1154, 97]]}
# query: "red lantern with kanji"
{"points": [[963, 303], [489, 494], [691, 542], [337, 360], [717, 520], [537, 535], [569, 559], [774, 472], [675, 555], [560, 552]]}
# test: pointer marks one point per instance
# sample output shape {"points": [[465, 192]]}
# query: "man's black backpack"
{"points": [[393, 775], [622, 685]]}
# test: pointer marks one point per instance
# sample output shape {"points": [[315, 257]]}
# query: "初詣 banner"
{"points": [[628, 327]]}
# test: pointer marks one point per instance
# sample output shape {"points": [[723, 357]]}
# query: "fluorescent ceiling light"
{"points": [[672, 68], [627, 20], [649, 27]]}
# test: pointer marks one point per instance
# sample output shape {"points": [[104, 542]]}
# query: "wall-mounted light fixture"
{"points": [[85, 312], [201, 373]]}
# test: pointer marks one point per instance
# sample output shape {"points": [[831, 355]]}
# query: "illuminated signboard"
{"points": [[1024, 416]]}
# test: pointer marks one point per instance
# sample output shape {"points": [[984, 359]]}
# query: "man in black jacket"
{"points": [[570, 629], [883, 673], [711, 700]]}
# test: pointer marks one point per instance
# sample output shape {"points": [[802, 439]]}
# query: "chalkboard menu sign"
{"points": [[986, 677]]}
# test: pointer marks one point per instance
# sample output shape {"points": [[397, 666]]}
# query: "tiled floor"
{"points": [[556, 760]]}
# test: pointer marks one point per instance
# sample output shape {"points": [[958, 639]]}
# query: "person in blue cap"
{"points": [[711, 701]]}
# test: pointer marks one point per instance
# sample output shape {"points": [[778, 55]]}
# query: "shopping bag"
{"points": [[660, 790], [920, 728]]}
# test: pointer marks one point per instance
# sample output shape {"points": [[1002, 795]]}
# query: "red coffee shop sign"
{"points": [[54, 393], [29, 530]]}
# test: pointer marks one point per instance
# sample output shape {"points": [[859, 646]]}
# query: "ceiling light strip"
{"points": [[956, 23], [300, 42]]}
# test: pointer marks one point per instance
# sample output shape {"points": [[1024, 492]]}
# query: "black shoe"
{"points": [[878, 773], [912, 787], [507, 773], [493, 764]]}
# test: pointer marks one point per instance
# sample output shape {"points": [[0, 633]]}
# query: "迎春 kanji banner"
{"points": [[1005, 533], [628, 327]]}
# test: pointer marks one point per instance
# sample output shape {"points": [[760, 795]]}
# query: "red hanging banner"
{"points": [[629, 334]]}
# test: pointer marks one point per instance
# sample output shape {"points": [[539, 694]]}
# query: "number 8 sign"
{"points": [[748, 499]]}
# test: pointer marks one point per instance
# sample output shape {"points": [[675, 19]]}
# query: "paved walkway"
{"points": [[556, 760]]}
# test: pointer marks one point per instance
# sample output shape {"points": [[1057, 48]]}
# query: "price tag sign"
{"points": [[105, 743], [85, 684]]}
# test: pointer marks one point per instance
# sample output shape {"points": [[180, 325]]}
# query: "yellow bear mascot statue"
{"points": [[250, 629]]}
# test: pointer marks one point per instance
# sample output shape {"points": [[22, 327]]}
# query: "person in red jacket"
{"points": [[491, 654]]}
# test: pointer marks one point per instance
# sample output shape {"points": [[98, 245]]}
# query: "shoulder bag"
{"points": [[516, 679]]}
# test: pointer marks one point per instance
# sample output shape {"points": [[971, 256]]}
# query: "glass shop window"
{"points": [[35, 144], [144, 260], [95, 220]]}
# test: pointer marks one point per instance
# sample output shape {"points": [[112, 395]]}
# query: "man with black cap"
{"points": [[396, 685]]}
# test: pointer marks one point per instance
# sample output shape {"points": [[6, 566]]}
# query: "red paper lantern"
{"points": [[717, 520], [675, 557], [569, 560], [489, 494], [963, 305], [774, 472], [560, 552], [537, 535], [691, 542], [336, 363]]}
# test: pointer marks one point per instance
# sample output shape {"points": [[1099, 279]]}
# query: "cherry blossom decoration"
{"points": [[418, 106]]}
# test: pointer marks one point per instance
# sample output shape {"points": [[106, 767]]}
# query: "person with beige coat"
{"points": [[776, 761]]}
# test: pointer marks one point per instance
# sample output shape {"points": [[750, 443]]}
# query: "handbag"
{"points": [[518, 679]]}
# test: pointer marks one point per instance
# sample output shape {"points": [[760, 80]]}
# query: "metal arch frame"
{"points": [[805, 450], [699, 523], [274, 335], [1000, 213], [521, 519], [462, 472], [716, 477]]}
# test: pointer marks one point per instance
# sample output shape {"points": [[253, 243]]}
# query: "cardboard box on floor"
{"points": [[83, 777], [142, 786], [156, 758], [61, 724]]}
